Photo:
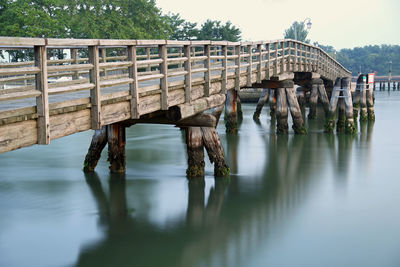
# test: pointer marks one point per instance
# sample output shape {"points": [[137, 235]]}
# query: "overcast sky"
{"points": [[340, 23]]}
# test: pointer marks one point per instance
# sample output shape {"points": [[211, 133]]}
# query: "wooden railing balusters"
{"points": [[188, 75], [95, 95]]}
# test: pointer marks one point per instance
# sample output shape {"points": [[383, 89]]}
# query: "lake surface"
{"points": [[315, 200]]}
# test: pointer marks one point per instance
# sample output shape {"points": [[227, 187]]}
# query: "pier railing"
{"points": [[91, 77]]}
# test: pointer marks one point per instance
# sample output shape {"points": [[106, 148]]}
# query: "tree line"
{"points": [[104, 19]]}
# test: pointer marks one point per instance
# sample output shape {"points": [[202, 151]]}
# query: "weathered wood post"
{"points": [[295, 111], [363, 100], [349, 125], [330, 122], [341, 122], [281, 111], [322, 95], [214, 150], [313, 101], [261, 101], [301, 97], [116, 147], [272, 103], [195, 152], [357, 96], [370, 104], [231, 117], [99, 141]]}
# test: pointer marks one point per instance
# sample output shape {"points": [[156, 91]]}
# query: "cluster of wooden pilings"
{"points": [[391, 85]]}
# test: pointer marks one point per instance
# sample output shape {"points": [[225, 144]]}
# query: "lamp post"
{"points": [[304, 21]]}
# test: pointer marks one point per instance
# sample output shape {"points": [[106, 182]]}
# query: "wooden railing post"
{"points": [[260, 59], [276, 59], [289, 57], [42, 101], [207, 74], [225, 70], [188, 75], [162, 50], [134, 86], [250, 66], [104, 59], [283, 57], [148, 57], [296, 51], [267, 64], [95, 96], [237, 63], [74, 57]]}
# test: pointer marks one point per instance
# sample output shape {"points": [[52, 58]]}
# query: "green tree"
{"points": [[301, 30], [215, 30], [181, 29]]}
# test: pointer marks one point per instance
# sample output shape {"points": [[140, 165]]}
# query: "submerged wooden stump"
{"points": [[97, 145], [116, 147]]}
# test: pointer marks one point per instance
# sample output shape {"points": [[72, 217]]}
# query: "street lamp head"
{"points": [[309, 24]]}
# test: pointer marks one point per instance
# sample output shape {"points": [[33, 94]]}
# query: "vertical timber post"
{"points": [[356, 97], [116, 147], [330, 122], [231, 118], [99, 141], [214, 150], [261, 101], [272, 103], [188, 75], [281, 111], [42, 101], [363, 100], [95, 98], [162, 50], [313, 101], [349, 126], [195, 152], [323, 97], [134, 86], [370, 103], [295, 111]]}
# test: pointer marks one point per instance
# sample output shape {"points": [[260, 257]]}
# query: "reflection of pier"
{"points": [[227, 226]]}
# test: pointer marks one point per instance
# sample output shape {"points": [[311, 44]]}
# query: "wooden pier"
{"points": [[107, 85]]}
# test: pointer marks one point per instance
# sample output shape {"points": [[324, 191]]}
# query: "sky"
{"points": [[339, 23]]}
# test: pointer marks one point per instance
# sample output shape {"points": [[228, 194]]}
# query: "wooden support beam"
{"points": [[116, 147], [231, 119], [215, 151], [295, 111], [349, 126], [207, 74], [162, 50], [95, 95], [42, 101], [188, 75], [281, 112], [261, 101], [313, 101], [195, 152], [99, 141], [133, 86]]}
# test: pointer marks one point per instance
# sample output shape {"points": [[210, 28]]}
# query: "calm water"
{"points": [[315, 200]]}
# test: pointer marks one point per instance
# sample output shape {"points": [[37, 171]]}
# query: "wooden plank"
{"points": [[150, 77], [207, 74], [108, 65], [110, 83], [188, 76], [72, 42], [19, 71], [95, 94], [162, 50], [42, 101], [70, 88], [19, 95], [73, 67], [10, 42], [134, 86], [18, 135], [70, 123]]}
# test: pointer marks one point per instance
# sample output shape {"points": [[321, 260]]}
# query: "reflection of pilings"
{"points": [[195, 209]]}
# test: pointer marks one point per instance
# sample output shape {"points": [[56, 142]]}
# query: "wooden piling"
{"points": [[195, 152], [215, 151], [370, 104], [363, 102], [301, 97], [313, 101], [330, 122], [116, 147], [357, 96], [341, 122], [281, 112], [97, 145], [261, 101], [295, 111], [350, 127], [272, 103], [231, 118], [323, 97]]}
